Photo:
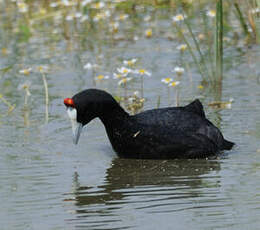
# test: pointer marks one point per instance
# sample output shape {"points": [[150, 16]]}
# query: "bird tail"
{"points": [[228, 145]]}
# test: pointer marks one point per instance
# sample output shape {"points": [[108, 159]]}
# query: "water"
{"points": [[48, 183]]}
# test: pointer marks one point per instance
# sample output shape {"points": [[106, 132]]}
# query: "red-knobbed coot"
{"points": [[173, 132]]}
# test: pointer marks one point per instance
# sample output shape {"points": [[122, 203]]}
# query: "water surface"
{"points": [[48, 183]]}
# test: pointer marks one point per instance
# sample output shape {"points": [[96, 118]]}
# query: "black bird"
{"points": [[173, 132]]}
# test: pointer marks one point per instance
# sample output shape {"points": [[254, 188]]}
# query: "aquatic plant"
{"points": [[43, 70], [10, 106], [166, 80], [203, 33], [248, 16], [219, 43], [26, 87], [101, 77], [179, 71]]}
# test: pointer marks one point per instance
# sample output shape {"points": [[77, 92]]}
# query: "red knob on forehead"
{"points": [[69, 102]]}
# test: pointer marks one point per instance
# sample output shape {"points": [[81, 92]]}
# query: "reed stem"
{"points": [[219, 42]]}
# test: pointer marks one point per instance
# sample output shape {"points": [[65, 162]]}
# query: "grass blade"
{"points": [[197, 47], [201, 71]]}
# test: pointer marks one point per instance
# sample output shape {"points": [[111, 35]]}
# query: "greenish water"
{"points": [[48, 183]]}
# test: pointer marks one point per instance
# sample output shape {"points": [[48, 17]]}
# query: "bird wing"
{"points": [[195, 107], [190, 146], [173, 118]]}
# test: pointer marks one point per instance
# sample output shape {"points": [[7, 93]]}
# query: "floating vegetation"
{"points": [[221, 104]]}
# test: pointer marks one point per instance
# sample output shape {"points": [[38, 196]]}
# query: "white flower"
{"points": [[84, 18], [107, 13], [201, 37], [179, 70], [255, 10], [22, 7], [147, 18], [54, 4], [179, 17], [182, 47], [101, 77], [167, 80], [136, 38], [118, 1], [25, 71], [98, 17], [88, 66], [43, 68], [130, 62], [124, 70], [211, 13], [174, 83], [122, 17], [98, 5], [117, 75], [148, 33], [143, 72], [114, 27], [25, 86], [78, 15], [136, 93], [85, 2], [65, 2], [124, 80], [69, 17]]}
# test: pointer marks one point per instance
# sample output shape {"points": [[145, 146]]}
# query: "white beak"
{"points": [[76, 126]]}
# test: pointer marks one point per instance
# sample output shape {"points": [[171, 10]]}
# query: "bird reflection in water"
{"points": [[164, 186]]}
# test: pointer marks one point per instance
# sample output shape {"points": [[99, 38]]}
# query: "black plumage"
{"points": [[174, 132]]}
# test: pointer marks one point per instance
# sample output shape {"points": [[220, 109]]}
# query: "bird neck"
{"points": [[113, 114]]}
